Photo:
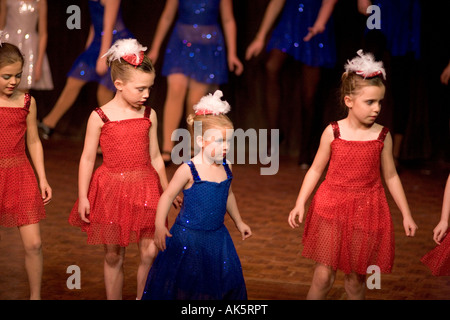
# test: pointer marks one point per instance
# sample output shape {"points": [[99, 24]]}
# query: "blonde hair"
{"points": [[208, 121]]}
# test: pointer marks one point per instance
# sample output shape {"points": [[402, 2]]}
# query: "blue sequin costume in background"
{"points": [[84, 66], [401, 24], [196, 47], [200, 261], [297, 16]]}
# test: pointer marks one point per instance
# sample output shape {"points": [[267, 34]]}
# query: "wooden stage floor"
{"points": [[272, 264]]}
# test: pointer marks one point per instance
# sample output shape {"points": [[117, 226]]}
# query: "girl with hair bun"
{"points": [[116, 205], [349, 225], [198, 260]]}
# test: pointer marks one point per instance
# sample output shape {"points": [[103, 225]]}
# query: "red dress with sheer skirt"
{"points": [[20, 199], [349, 225], [124, 191], [438, 259]]}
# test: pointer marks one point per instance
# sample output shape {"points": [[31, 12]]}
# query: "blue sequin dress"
{"points": [[84, 66], [401, 24], [196, 47], [297, 16], [200, 261]]}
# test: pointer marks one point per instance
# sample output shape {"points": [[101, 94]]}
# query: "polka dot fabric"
{"points": [[20, 199], [438, 259], [349, 225], [125, 189]]}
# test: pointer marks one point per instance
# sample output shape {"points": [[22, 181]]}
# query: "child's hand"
{"points": [[160, 237], [245, 230], [254, 49], [297, 211], [410, 227], [235, 65], [46, 192], [177, 202], [84, 208], [440, 231]]}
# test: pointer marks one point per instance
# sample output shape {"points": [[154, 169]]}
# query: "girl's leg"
{"points": [[148, 252], [274, 64], [104, 95], [322, 282], [355, 286], [310, 82], [65, 101], [177, 85], [113, 269], [31, 239]]}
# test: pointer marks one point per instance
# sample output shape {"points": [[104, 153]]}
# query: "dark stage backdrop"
{"points": [[427, 135]]}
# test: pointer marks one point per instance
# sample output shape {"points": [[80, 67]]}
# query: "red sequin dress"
{"points": [[20, 199], [438, 259], [124, 191], [349, 225]]}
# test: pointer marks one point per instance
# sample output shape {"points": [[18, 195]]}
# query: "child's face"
{"points": [[365, 105], [136, 90], [10, 76], [216, 143]]}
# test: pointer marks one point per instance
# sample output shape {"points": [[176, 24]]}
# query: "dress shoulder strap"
{"points": [[194, 171], [147, 112], [27, 101], [383, 134], [336, 131], [102, 114], [227, 168]]}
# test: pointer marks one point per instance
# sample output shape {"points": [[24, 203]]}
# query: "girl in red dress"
{"points": [[349, 225], [117, 204], [438, 259], [22, 199]]}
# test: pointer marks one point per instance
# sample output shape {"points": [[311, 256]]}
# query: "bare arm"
{"points": [[233, 211], [229, 28], [181, 177], [155, 154], [164, 24], [312, 177], [3, 12], [440, 230], [43, 38], [36, 151], [272, 11], [322, 18], [87, 163], [395, 186], [109, 20]]}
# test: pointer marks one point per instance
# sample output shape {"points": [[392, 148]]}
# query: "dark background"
{"points": [[427, 133]]}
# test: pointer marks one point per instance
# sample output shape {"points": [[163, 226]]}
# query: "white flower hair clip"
{"points": [[212, 104], [129, 50], [365, 66]]}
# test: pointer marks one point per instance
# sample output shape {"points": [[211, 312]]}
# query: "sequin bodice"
{"points": [[355, 163], [120, 139], [12, 130], [205, 202]]}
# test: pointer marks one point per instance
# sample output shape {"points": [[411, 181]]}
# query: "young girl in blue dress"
{"points": [[198, 260], [200, 53]]}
